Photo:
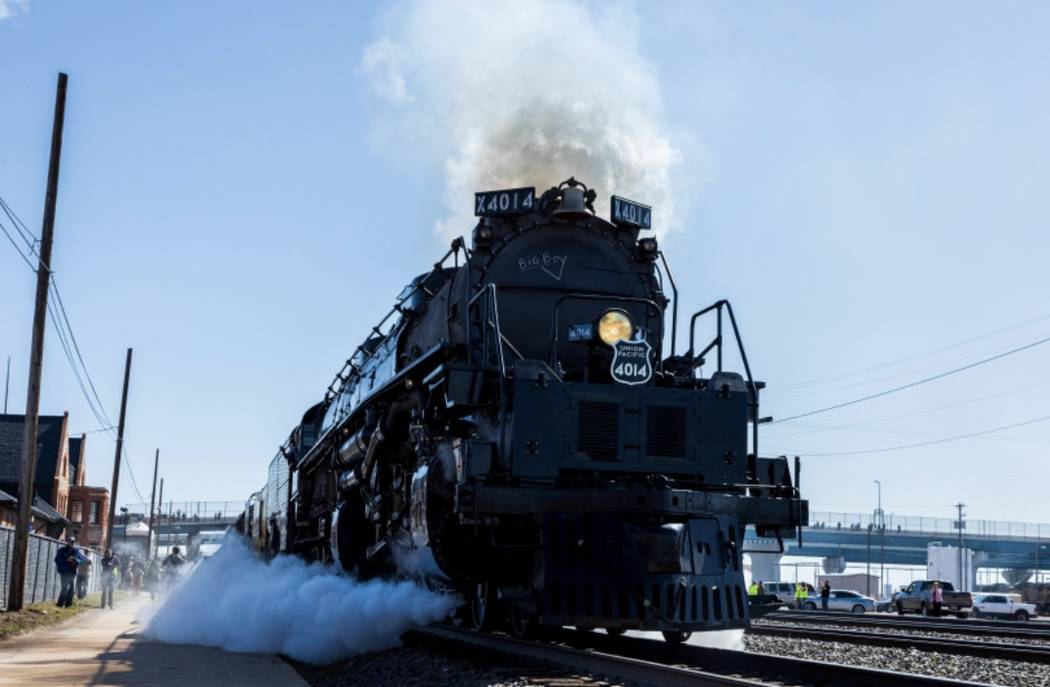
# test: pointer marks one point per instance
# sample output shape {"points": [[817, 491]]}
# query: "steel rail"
{"points": [[945, 619], [942, 645], [961, 627], [654, 662], [621, 667]]}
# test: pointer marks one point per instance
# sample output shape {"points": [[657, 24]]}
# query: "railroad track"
{"points": [[961, 627], [652, 662], [965, 647]]}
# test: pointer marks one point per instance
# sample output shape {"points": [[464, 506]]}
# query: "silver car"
{"points": [[843, 600]]}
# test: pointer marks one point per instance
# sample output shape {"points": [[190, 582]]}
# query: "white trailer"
{"points": [[942, 563]]}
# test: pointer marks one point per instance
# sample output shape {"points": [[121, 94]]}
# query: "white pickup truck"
{"points": [[994, 605]]}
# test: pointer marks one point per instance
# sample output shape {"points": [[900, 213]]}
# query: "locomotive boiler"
{"points": [[522, 430]]}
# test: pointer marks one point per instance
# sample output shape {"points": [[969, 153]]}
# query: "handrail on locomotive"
{"points": [[696, 361]]}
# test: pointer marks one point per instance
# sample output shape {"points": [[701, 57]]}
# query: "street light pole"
{"points": [[882, 539]]}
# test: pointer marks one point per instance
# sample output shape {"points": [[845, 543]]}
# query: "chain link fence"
{"points": [[42, 579]]}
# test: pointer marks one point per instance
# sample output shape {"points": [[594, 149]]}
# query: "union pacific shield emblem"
{"points": [[631, 362]]}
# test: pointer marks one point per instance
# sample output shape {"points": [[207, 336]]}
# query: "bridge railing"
{"points": [[186, 511], [934, 526]]}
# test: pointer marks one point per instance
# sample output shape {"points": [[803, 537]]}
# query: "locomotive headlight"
{"points": [[615, 326]]}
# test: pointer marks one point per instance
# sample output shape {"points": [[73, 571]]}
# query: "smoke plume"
{"points": [[240, 603], [522, 94]]}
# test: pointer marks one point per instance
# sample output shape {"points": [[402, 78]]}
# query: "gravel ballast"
{"points": [[985, 670], [882, 629], [417, 666]]}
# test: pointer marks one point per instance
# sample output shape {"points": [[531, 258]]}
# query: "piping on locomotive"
{"points": [[510, 431]]}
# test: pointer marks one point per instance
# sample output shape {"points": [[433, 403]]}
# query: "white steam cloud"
{"points": [[11, 8], [523, 94], [238, 602]]}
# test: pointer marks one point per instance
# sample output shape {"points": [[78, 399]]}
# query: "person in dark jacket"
{"points": [[825, 594], [171, 566], [110, 568], [67, 559]]}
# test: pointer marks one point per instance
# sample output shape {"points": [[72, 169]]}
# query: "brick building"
{"points": [[46, 519], [59, 486]]}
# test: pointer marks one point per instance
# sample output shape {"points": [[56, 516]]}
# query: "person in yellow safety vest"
{"points": [[753, 589], [800, 595]]}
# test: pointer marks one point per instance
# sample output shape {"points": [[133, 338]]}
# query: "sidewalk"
{"points": [[103, 648]]}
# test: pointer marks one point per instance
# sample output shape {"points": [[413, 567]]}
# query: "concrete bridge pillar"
{"points": [[765, 567]]}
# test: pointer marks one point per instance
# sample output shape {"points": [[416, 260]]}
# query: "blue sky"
{"points": [[865, 183]]}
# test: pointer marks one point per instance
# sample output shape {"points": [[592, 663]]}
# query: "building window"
{"points": [[76, 511], [94, 512]]}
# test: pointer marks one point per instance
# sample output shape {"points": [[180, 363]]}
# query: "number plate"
{"points": [[581, 332], [631, 363], [513, 201], [629, 212]]}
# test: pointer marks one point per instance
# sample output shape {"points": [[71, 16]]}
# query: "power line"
{"points": [[66, 337], [18, 250], [28, 236], [910, 385], [870, 423], [76, 348], [944, 440], [958, 344]]}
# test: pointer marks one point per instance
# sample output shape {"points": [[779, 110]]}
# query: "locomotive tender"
{"points": [[510, 432]]}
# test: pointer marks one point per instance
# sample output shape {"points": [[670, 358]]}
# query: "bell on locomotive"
{"points": [[523, 430]]}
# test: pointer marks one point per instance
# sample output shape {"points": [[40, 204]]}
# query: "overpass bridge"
{"points": [[903, 540], [174, 523]]}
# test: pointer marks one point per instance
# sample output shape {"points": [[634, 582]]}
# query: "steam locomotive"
{"points": [[511, 432]]}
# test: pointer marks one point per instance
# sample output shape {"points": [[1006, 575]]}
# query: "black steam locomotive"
{"points": [[511, 432]]}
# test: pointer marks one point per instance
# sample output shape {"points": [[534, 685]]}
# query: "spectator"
{"points": [[937, 598], [83, 577], [800, 596], [110, 568], [171, 565], [825, 594], [137, 571], [124, 564], [152, 579], [67, 559]]}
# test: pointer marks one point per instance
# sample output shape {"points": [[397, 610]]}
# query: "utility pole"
{"points": [[882, 539], [7, 383], [959, 524], [160, 504], [16, 590], [868, 576], [152, 497], [120, 450]]}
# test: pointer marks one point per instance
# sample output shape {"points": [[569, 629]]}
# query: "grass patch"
{"points": [[44, 614]]}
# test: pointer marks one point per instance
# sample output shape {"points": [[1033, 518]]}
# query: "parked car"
{"points": [[1002, 606], [886, 605], [915, 598], [785, 591], [843, 600]]}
